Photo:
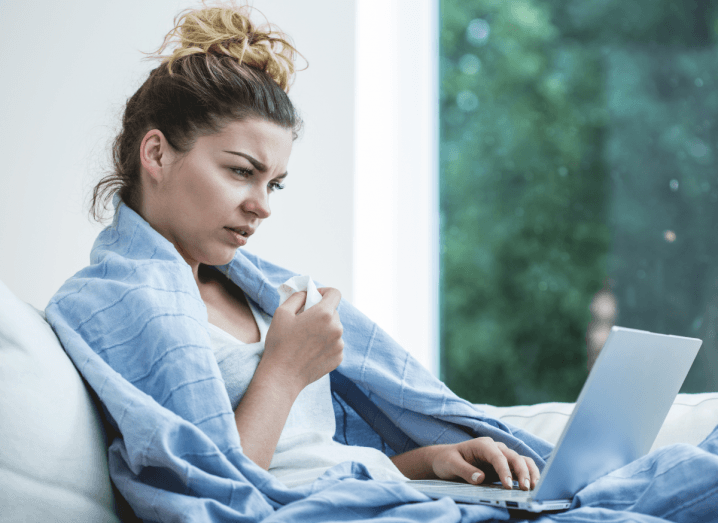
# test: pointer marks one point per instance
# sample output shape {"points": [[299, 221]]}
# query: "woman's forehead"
{"points": [[253, 131], [265, 140]]}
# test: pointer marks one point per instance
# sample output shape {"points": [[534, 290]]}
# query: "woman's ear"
{"points": [[155, 155]]}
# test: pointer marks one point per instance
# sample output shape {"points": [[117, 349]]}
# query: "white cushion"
{"points": [[53, 458], [545, 420], [691, 418]]}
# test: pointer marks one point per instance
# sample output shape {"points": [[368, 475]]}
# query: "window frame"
{"points": [[396, 200]]}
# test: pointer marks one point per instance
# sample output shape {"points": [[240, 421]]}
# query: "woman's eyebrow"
{"points": [[256, 163]]}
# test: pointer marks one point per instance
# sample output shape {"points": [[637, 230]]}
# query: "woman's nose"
{"points": [[257, 203]]}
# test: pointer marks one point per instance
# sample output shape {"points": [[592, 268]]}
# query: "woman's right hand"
{"points": [[301, 347]]}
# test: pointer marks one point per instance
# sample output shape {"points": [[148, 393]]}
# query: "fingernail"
{"points": [[510, 481], [527, 484], [475, 477]]}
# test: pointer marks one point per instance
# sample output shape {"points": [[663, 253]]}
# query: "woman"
{"points": [[208, 202], [171, 323]]}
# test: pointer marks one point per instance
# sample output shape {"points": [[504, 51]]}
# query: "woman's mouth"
{"points": [[239, 236]]}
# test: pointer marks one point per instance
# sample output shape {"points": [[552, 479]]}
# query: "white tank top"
{"points": [[306, 448]]}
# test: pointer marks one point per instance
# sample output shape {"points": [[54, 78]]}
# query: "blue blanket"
{"points": [[135, 326]]}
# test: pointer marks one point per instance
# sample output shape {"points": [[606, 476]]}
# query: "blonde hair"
{"points": [[228, 30]]}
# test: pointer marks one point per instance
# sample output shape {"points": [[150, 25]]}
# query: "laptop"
{"points": [[617, 416]]}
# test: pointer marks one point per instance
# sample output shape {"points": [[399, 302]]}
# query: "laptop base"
{"points": [[493, 495]]}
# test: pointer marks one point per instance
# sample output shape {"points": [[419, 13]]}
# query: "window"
{"points": [[577, 188]]}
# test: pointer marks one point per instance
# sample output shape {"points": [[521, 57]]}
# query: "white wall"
{"points": [[68, 67], [359, 212]]}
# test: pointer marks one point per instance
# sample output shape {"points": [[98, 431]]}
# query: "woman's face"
{"points": [[209, 201]]}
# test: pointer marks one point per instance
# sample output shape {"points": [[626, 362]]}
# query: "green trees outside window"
{"points": [[577, 157]]}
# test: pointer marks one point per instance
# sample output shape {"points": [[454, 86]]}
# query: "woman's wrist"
{"points": [[279, 377], [418, 463]]}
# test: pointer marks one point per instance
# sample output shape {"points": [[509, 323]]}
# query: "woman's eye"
{"points": [[276, 186], [242, 171]]}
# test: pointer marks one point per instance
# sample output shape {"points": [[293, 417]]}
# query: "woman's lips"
{"points": [[238, 238]]}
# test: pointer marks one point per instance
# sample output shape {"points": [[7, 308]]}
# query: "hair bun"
{"points": [[229, 31]]}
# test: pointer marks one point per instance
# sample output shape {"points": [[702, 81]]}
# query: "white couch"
{"points": [[53, 464]]}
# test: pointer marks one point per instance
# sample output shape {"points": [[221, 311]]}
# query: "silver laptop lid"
{"points": [[620, 409]]}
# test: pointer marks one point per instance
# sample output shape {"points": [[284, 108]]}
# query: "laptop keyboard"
{"points": [[479, 492]]}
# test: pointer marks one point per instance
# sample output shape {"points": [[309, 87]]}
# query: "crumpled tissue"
{"points": [[299, 284]]}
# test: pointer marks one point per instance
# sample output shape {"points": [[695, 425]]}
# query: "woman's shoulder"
{"points": [[131, 268]]}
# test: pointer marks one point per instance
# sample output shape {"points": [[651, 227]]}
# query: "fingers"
{"points": [[295, 302], [525, 470], [519, 467], [533, 470], [330, 297], [464, 470], [327, 309], [330, 300], [495, 456], [507, 464]]}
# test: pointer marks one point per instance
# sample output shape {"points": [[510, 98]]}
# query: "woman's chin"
{"points": [[225, 257]]}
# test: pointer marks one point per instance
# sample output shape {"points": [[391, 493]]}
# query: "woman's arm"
{"points": [[299, 349], [262, 413], [462, 461]]}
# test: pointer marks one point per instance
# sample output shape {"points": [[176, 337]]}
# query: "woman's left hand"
{"points": [[472, 459]]}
